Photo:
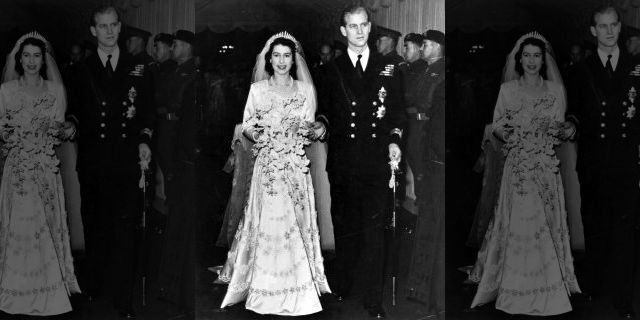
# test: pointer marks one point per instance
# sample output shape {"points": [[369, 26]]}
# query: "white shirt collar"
{"points": [[363, 60], [615, 55], [115, 56]]}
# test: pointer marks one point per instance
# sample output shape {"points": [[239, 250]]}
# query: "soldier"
{"points": [[426, 274], [386, 43], [111, 110], [361, 108], [163, 69], [413, 72], [137, 45], [178, 257]]}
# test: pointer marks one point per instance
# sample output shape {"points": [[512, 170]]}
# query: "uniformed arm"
{"points": [[249, 128], [397, 117], [566, 129], [144, 105], [74, 101], [325, 100]]}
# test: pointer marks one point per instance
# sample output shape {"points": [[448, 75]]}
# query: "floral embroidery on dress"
{"points": [[29, 145]]}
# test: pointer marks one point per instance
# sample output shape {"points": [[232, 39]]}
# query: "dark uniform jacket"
{"points": [[606, 116], [184, 86], [411, 74], [433, 105], [112, 117], [363, 116]]}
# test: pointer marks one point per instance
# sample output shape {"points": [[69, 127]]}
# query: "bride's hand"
{"points": [[317, 130], [566, 130]]}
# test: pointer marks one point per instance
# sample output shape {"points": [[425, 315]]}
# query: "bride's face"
{"points": [[31, 59], [531, 59], [281, 59]]}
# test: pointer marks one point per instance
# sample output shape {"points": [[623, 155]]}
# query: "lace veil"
{"points": [[9, 72]]}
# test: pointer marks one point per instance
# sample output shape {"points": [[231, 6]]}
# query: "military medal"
{"points": [[382, 94], [631, 110], [131, 111]]}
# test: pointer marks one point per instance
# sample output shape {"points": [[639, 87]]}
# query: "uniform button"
{"points": [[375, 103], [102, 125], [352, 136], [602, 136], [124, 135], [353, 114], [103, 114], [353, 125], [624, 135], [373, 135], [104, 103], [624, 125], [603, 113], [124, 103], [602, 124], [353, 103], [102, 135], [604, 103], [373, 124], [124, 124]]}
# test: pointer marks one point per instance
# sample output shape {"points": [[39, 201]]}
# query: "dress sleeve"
{"points": [[310, 104], [561, 103], [60, 107], [3, 99], [499, 113], [249, 109]]}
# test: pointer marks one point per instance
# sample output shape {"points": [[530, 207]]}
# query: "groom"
{"points": [[111, 111], [362, 115], [603, 108]]}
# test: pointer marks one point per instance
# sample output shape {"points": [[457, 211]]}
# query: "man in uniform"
{"points": [[177, 275], [137, 45], [413, 72], [427, 158], [361, 112], [111, 110], [602, 106], [163, 70], [386, 43]]}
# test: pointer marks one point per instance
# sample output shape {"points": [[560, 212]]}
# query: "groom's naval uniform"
{"points": [[604, 107], [111, 111], [362, 113]]}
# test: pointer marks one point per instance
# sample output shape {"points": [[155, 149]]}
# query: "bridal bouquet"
{"points": [[280, 146], [530, 146], [29, 145]]}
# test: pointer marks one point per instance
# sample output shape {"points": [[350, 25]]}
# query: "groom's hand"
{"points": [[394, 152], [144, 152]]}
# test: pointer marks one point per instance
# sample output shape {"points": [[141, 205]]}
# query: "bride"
{"points": [[275, 262], [36, 267], [525, 261]]}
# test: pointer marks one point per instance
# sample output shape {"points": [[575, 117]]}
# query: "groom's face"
{"points": [[106, 29], [606, 28], [356, 29]]}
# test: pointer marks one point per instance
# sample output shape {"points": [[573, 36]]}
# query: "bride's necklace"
{"points": [[537, 84], [282, 88]]}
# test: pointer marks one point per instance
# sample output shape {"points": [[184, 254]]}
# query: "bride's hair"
{"points": [[543, 49], [283, 42], [33, 42]]}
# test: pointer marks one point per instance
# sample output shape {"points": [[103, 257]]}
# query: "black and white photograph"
{"points": [[322, 160], [544, 155], [88, 226]]}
